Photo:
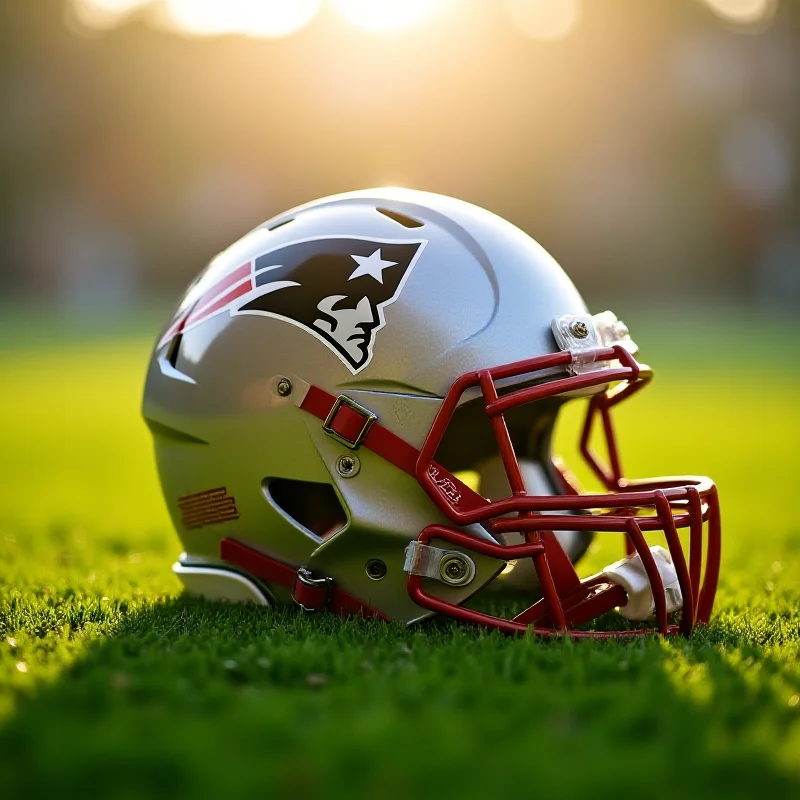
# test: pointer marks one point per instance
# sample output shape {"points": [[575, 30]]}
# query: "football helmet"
{"points": [[329, 378]]}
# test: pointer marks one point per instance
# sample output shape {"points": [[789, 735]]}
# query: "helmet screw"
{"points": [[376, 569], [348, 466], [456, 569], [579, 329], [284, 387]]}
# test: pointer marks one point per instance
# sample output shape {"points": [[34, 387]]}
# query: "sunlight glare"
{"points": [[743, 12], [548, 20], [259, 18], [103, 14], [389, 15]]}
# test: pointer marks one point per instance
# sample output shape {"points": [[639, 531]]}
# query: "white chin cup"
{"points": [[629, 573], [214, 583]]}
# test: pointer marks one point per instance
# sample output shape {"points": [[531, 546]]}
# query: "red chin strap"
{"points": [[567, 600], [310, 592]]}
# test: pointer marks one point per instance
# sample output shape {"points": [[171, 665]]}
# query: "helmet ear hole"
{"points": [[313, 507], [469, 439]]}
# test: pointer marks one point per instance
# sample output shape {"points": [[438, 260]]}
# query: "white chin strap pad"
{"points": [[629, 573]]}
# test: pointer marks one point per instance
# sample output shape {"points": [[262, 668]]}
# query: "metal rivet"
{"points": [[284, 387], [456, 569], [348, 466], [376, 569], [579, 329]]}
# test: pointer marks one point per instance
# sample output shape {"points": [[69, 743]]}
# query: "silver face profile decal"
{"points": [[334, 287]]}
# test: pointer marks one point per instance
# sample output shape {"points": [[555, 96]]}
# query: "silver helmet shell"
{"points": [[319, 304]]}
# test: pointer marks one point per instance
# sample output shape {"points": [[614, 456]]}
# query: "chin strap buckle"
{"points": [[311, 593], [348, 422]]}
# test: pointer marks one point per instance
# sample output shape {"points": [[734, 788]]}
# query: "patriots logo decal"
{"points": [[334, 287]]}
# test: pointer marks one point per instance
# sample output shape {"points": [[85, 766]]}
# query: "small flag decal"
{"points": [[207, 508]]}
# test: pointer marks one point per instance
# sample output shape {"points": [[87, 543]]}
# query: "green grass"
{"points": [[112, 684]]}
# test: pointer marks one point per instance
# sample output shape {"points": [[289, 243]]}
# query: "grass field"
{"points": [[113, 685]]}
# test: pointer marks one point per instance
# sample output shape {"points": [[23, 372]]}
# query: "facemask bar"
{"points": [[567, 601]]}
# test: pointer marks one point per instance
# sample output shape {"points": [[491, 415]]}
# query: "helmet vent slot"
{"points": [[313, 507], [174, 349], [402, 219], [280, 224], [164, 432]]}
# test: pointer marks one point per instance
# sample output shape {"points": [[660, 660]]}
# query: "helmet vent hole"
{"points": [[313, 507], [174, 349], [402, 219], [280, 224]]}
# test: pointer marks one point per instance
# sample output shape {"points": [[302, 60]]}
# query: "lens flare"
{"points": [[258, 18], [744, 12], [548, 20], [389, 15], [103, 14]]}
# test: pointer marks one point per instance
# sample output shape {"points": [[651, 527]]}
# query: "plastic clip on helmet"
{"points": [[327, 377]]}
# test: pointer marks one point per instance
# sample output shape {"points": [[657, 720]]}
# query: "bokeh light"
{"points": [[389, 15], [102, 14], [744, 12], [548, 20], [259, 18]]}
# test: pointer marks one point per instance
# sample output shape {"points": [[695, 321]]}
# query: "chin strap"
{"points": [[310, 592], [355, 426]]}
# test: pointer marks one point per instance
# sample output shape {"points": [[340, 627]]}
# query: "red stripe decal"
{"points": [[189, 315], [226, 299], [175, 328], [239, 274]]}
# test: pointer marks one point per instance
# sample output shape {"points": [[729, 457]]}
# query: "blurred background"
{"points": [[651, 147]]}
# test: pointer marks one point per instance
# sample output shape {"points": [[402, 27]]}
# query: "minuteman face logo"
{"points": [[334, 287]]}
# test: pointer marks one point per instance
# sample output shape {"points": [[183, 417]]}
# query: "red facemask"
{"points": [[632, 508]]}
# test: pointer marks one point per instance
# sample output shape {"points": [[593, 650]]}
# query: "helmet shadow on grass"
{"points": [[187, 698]]}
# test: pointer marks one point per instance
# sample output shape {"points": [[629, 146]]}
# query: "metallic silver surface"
{"points": [[482, 293]]}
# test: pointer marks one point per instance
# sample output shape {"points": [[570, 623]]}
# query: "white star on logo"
{"points": [[374, 265]]}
